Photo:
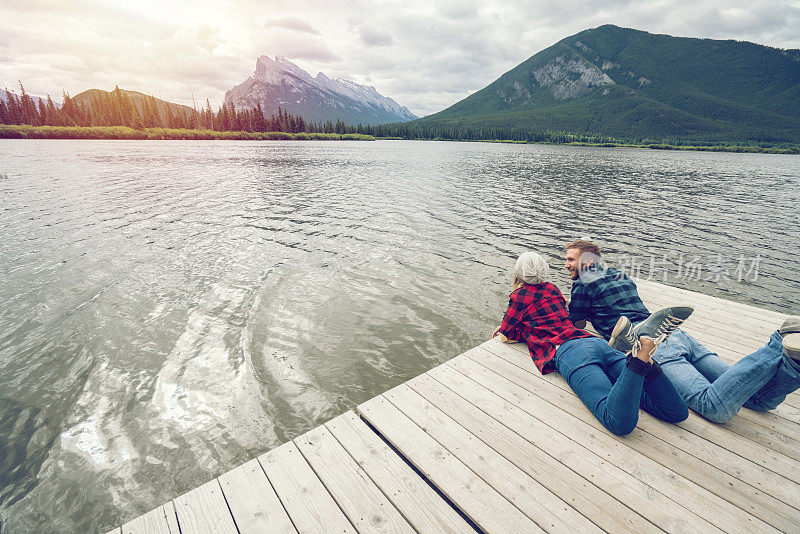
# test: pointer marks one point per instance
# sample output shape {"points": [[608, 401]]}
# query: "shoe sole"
{"points": [[618, 328], [790, 326], [791, 345]]}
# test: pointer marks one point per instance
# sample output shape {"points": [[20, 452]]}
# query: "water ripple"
{"points": [[172, 309]]}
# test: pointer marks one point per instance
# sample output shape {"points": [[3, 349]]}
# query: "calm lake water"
{"points": [[170, 310]]}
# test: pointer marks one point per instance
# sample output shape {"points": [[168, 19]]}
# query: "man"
{"points": [[711, 387], [600, 295]]}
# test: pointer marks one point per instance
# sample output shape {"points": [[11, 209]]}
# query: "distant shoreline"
{"points": [[25, 131], [651, 146], [660, 146]]}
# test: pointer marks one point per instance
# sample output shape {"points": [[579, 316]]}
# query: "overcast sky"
{"points": [[425, 54]]}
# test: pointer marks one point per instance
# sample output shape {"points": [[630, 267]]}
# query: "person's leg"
{"points": [[785, 379], [582, 363], [659, 397], [711, 387], [708, 363]]}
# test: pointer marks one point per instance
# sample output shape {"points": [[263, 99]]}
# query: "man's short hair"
{"points": [[585, 246]]}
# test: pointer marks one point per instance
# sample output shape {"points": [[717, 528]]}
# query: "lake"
{"points": [[173, 309]]}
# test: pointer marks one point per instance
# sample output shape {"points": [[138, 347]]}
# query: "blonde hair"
{"points": [[531, 268]]}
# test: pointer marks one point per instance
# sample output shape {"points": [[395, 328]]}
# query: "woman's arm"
{"points": [[509, 327], [502, 337]]}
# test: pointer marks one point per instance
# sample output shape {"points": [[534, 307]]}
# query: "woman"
{"points": [[609, 384]]}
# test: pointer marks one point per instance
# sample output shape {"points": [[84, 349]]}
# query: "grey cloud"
{"points": [[455, 9], [291, 23], [374, 37], [438, 53], [310, 50]]}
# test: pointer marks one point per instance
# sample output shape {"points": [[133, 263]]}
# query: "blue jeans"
{"points": [[612, 392], [715, 389]]}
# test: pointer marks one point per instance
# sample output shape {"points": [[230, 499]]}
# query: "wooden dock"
{"points": [[484, 442]]}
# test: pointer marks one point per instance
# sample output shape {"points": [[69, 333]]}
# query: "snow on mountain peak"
{"points": [[280, 72]]}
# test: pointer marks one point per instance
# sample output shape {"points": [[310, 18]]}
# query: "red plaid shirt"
{"points": [[537, 314]]}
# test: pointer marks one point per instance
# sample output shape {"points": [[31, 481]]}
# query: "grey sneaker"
{"points": [[791, 346], [657, 327], [790, 326], [662, 323], [622, 337]]}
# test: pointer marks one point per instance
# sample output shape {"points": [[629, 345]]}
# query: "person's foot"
{"points": [[622, 336], [791, 346], [644, 349], [790, 326], [658, 327], [662, 323]]}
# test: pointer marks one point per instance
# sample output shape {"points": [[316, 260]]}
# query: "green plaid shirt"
{"points": [[601, 296]]}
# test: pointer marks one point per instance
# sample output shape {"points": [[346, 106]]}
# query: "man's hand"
{"points": [[496, 331]]}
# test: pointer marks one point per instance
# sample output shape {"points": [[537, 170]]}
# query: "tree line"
{"points": [[118, 108]]}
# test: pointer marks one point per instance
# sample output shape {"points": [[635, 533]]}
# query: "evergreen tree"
{"points": [[208, 122], [223, 122], [27, 107], [194, 122], [260, 123], [136, 120], [13, 108], [53, 118]]}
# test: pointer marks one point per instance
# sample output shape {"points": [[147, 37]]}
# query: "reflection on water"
{"points": [[170, 310]]}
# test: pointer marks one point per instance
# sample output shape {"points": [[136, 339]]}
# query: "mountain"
{"points": [[630, 84], [88, 96], [56, 101], [280, 83]]}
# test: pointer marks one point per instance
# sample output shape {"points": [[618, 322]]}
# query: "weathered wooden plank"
{"points": [[745, 310], [493, 457], [204, 511], [723, 325], [554, 389], [160, 520], [359, 498], [592, 502], [737, 329], [767, 458], [172, 517], [252, 500], [578, 456], [752, 326], [710, 300], [732, 356], [784, 419], [534, 500], [616, 454], [309, 505], [726, 321], [416, 500], [474, 497], [756, 433]]}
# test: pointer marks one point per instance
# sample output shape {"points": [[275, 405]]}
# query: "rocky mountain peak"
{"points": [[280, 83]]}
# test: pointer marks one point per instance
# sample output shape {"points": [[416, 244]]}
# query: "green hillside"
{"points": [[632, 85], [90, 95]]}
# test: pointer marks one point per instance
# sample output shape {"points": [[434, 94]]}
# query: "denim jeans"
{"points": [[612, 392], [715, 389]]}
